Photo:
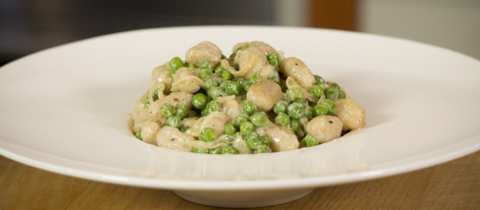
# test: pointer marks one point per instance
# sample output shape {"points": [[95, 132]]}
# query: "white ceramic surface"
{"points": [[65, 110]]}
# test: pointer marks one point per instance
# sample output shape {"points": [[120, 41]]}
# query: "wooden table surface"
{"points": [[452, 185]]}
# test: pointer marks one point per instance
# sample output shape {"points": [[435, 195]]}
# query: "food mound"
{"points": [[254, 101]]}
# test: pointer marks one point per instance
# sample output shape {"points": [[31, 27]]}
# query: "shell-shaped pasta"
{"points": [[265, 94], [325, 128], [188, 84], [181, 73], [264, 47], [158, 87], [230, 106], [292, 83], [283, 138], [350, 113], [215, 120], [218, 142], [294, 67], [139, 114], [241, 145], [190, 122], [266, 72], [149, 132], [203, 51], [250, 60], [162, 74], [139, 117], [172, 138]]}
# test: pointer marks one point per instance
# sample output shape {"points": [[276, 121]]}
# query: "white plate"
{"points": [[65, 110]]}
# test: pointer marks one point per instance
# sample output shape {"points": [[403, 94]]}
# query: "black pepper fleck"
{"points": [[331, 122], [173, 139]]}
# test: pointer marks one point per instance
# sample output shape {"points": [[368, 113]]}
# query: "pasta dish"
{"points": [[254, 101]]}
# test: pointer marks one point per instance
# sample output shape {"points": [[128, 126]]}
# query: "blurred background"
{"points": [[29, 26]]}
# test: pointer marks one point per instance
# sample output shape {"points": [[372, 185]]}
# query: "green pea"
{"points": [[209, 82], [155, 95], [259, 119], [182, 110], [274, 59], [241, 81], [240, 119], [220, 82], [235, 66], [204, 73], [191, 66], [174, 121], [216, 92], [286, 98], [255, 78], [204, 112], [282, 119], [213, 106], [206, 64], [208, 134], [248, 107], [308, 112], [334, 85], [330, 105], [295, 94], [232, 55], [296, 110], [253, 141], [232, 88], [217, 150], [183, 128], [280, 106], [294, 124], [319, 110], [146, 101], [341, 94], [261, 149], [274, 76], [266, 139], [219, 73], [139, 134], [199, 101], [246, 127], [175, 63], [168, 110], [201, 150], [310, 141], [218, 69], [191, 113], [332, 93], [243, 96], [246, 85], [229, 129], [317, 91], [319, 81], [300, 132], [229, 150], [227, 75]]}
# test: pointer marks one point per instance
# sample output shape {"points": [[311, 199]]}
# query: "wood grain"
{"points": [[452, 185]]}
